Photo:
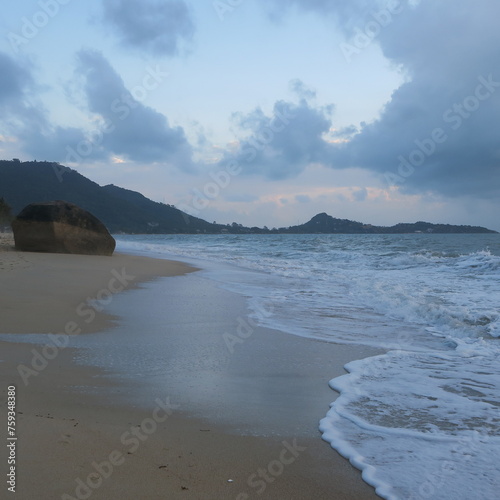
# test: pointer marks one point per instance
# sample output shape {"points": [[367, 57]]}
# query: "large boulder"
{"points": [[61, 227]]}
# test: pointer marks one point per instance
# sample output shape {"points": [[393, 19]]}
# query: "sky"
{"points": [[264, 112]]}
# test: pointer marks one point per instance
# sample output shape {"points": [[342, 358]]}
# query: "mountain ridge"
{"points": [[127, 211], [324, 223]]}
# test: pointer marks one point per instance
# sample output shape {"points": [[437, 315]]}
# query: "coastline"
{"points": [[68, 424], [55, 288]]}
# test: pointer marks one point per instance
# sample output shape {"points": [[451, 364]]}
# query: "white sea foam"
{"points": [[422, 421], [420, 425]]}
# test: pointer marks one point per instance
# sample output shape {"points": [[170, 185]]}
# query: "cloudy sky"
{"points": [[264, 112]]}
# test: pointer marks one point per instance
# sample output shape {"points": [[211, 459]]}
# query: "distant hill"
{"points": [[324, 223], [121, 210], [126, 211]]}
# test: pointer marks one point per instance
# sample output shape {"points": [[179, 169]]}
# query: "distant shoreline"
{"points": [[126, 211]]}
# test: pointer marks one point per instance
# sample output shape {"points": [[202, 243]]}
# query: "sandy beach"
{"points": [[87, 431]]}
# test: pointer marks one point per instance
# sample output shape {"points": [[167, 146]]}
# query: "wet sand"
{"points": [[147, 401]]}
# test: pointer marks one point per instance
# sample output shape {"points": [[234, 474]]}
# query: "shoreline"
{"points": [[68, 424], [74, 281]]}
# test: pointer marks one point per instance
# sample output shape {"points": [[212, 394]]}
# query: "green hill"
{"points": [[126, 211], [324, 223], [119, 209]]}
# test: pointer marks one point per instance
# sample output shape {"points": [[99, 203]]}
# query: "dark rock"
{"points": [[61, 227]]}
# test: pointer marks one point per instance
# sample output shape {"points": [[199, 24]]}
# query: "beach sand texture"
{"points": [[72, 432]]}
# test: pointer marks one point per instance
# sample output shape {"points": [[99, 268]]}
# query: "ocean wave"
{"points": [[413, 419], [421, 421]]}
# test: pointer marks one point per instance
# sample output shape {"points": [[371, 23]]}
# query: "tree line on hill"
{"points": [[126, 211]]}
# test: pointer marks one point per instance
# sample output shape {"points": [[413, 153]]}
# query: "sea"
{"points": [[422, 420]]}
